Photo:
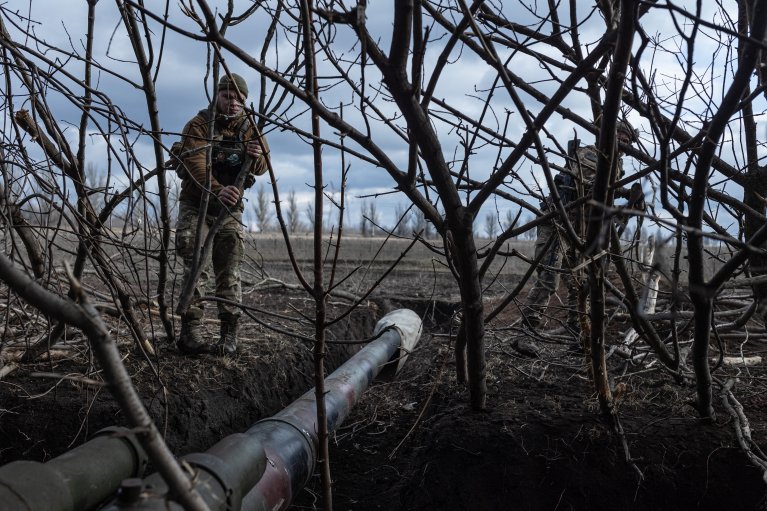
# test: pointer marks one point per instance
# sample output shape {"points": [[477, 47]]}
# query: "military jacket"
{"points": [[583, 170], [227, 144], [587, 157]]}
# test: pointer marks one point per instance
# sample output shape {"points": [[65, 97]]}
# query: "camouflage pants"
{"points": [[559, 256], [226, 257]]}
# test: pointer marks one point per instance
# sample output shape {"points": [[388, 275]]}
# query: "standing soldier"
{"points": [[232, 141], [560, 256]]}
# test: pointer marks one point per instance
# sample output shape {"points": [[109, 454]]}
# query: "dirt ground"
{"points": [[414, 443]]}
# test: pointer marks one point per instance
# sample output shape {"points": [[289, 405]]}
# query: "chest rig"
{"points": [[227, 151], [582, 166]]}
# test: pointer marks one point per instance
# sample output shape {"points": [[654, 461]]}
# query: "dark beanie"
{"points": [[236, 82]]}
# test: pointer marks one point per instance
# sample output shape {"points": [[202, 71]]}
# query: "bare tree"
{"points": [[401, 220], [369, 221], [365, 227], [510, 220], [96, 181], [263, 210], [372, 216], [498, 140], [491, 224], [420, 224], [309, 214], [292, 214]]}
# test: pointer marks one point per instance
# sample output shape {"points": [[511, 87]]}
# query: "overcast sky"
{"points": [[182, 89]]}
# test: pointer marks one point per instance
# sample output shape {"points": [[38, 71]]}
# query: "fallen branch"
{"points": [[70, 377], [8, 369], [78, 312], [437, 381], [743, 429]]}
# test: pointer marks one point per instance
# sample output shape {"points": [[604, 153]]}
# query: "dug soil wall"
{"points": [[57, 403]]}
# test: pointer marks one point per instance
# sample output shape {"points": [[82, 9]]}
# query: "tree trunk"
{"points": [[464, 254]]}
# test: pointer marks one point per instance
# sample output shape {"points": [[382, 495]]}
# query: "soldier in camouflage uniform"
{"points": [[232, 139], [560, 256]]}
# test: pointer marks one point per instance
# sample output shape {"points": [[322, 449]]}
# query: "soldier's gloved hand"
{"points": [[636, 197]]}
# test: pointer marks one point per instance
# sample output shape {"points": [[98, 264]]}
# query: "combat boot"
{"points": [[529, 322], [190, 341], [228, 342]]}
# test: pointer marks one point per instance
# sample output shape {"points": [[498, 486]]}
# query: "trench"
{"points": [[541, 445], [453, 459], [203, 413], [195, 401]]}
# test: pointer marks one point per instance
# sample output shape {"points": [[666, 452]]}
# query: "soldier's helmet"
{"points": [[628, 129]]}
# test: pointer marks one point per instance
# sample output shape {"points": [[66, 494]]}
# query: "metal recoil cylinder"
{"points": [[78, 479]]}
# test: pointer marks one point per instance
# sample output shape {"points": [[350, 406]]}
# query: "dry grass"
{"points": [[376, 251]]}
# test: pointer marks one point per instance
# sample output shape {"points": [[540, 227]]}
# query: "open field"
{"points": [[376, 251]]}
